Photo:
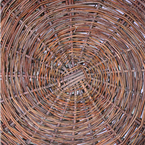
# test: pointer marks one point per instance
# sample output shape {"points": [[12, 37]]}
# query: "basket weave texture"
{"points": [[73, 72]]}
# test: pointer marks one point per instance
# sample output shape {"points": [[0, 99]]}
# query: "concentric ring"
{"points": [[73, 72]]}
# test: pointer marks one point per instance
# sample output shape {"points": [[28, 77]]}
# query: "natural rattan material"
{"points": [[73, 72]]}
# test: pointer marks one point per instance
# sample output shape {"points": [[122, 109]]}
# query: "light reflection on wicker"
{"points": [[73, 72]]}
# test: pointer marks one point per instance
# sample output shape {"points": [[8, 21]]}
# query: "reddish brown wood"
{"points": [[72, 72]]}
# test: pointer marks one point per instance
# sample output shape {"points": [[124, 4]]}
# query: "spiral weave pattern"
{"points": [[73, 72]]}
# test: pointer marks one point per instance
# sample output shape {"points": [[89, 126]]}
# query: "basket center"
{"points": [[72, 78]]}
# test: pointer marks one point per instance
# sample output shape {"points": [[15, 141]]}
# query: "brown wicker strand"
{"points": [[72, 72]]}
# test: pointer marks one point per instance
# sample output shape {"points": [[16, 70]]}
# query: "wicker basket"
{"points": [[73, 72]]}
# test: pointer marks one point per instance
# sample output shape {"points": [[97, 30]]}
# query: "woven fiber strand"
{"points": [[73, 72]]}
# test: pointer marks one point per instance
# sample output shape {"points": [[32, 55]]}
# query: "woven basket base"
{"points": [[73, 72]]}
